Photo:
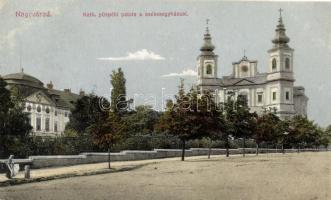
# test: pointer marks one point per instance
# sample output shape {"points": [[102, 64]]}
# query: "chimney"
{"points": [[50, 85], [67, 90], [81, 93]]}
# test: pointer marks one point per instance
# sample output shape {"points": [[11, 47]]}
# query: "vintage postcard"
{"points": [[165, 99]]}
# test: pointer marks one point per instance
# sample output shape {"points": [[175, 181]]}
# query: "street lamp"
{"points": [[285, 134]]}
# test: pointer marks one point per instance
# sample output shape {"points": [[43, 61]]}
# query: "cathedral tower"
{"points": [[280, 73], [207, 64]]}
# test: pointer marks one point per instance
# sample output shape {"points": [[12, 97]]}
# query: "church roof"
{"points": [[256, 80]]}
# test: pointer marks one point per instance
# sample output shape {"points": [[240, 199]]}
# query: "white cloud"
{"points": [[186, 72], [138, 55], [8, 39]]}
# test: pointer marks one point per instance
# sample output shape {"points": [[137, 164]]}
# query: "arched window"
{"points": [[209, 69], [274, 64], [29, 108], [38, 109], [287, 63]]}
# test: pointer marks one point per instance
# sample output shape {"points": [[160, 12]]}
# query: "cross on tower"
{"points": [[207, 29], [280, 12]]}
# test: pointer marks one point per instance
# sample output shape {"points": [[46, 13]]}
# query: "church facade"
{"points": [[273, 90], [49, 108]]}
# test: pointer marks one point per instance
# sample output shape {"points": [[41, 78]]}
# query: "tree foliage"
{"points": [[14, 122], [142, 120], [107, 131], [118, 102], [191, 116], [87, 112]]}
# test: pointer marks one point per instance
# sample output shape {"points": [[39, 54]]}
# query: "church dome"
{"points": [[23, 79], [207, 44], [281, 39]]}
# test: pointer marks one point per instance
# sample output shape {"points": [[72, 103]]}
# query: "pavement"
{"points": [[44, 174], [296, 176]]}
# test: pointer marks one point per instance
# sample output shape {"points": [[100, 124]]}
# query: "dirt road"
{"points": [[275, 176]]}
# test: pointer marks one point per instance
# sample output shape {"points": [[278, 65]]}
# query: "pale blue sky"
{"points": [[65, 48]]}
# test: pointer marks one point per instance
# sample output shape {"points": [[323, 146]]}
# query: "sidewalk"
{"points": [[86, 169], [46, 174]]}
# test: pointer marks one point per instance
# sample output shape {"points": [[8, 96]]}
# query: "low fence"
{"points": [[86, 158]]}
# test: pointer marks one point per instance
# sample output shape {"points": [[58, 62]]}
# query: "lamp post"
{"points": [[226, 118], [285, 134]]}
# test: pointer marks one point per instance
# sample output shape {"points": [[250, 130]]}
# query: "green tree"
{"points": [[119, 103], [187, 117], [243, 121], [268, 128], [87, 111], [14, 122], [142, 120], [107, 131], [303, 132], [325, 137]]}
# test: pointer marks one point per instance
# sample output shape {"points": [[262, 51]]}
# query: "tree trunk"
{"points": [[209, 150], [109, 156], [244, 142], [283, 149], [227, 146], [257, 149], [183, 150]]}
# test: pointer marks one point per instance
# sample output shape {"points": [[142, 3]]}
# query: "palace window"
{"points": [[38, 109], [287, 95], [274, 96], [55, 113], [55, 126], [47, 110], [66, 114], [29, 119], [29, 108], [243, 98], [209, 69], [287, 63], [274, 64], [47, 124], [38, 124], [259, 98]]}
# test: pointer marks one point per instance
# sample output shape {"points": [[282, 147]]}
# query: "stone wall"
{"points": [[86, 158]]}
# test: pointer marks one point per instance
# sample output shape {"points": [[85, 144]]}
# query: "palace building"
{"points": [[272, 90], [49, 108]]}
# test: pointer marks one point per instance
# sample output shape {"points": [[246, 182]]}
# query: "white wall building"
{"points": [[273, 90], [49, 108]]}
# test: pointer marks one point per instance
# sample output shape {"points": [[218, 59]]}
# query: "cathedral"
{"points": [[273, 90]]}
